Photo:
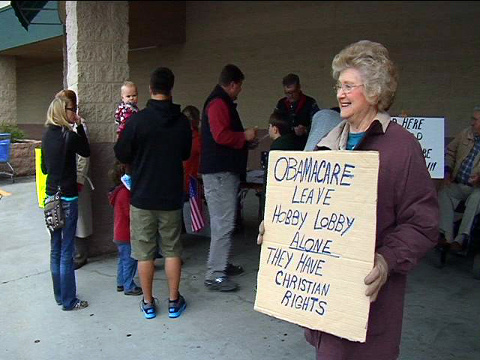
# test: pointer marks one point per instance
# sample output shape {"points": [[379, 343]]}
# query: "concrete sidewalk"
{"points": [[442, 316]]}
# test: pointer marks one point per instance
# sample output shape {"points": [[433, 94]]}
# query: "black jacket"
{"points": [[60, 165], [215, 158], [300, 112], [155, 142]]}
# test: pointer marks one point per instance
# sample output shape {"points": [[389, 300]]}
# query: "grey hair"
{"points": [[476, 108], [379, 74]]}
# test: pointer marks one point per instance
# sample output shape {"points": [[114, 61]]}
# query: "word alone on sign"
{"points": [[319, 241]]}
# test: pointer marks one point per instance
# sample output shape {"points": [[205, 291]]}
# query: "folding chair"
{"points": [[472, 248]]}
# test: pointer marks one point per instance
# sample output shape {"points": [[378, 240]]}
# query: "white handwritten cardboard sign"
{"points": [[319, 241], [430, 132]]}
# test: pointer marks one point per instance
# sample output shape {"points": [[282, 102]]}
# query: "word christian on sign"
{"points": [[319, 241], [429, 131]]}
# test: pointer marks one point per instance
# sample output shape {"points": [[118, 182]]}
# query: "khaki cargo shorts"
{"points": [[144, 227]]}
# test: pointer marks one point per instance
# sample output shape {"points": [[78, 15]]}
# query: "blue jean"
{"points": [[127, 267], [61, 257]]}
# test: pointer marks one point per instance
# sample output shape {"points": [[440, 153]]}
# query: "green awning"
{"points": [[13, 33], [27, 11]]}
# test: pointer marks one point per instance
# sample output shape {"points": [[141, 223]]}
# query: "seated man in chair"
{"points": [[462, 183]]}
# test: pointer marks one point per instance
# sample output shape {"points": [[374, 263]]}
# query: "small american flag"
{"points": [[198, 223]]}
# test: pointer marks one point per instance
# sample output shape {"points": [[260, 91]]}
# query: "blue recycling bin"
{"points": [[5, 147], [5, 156]]}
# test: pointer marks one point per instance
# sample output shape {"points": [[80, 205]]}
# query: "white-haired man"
{"points": [[462, 183]]}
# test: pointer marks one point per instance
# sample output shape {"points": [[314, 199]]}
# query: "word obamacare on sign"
{"points": [[319, 241], [429, 132]]}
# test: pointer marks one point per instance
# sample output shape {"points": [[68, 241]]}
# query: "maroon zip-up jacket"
{"points": [[407, 228]]}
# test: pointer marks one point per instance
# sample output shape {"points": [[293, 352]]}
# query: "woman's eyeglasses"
{"points": [[72, 109], [347, 88]]}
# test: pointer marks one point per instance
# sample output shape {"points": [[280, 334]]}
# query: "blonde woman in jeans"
{"points": [[60, 146]]}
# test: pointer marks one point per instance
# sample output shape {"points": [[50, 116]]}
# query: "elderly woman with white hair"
{"points": [[407, 207], [60, 146]]}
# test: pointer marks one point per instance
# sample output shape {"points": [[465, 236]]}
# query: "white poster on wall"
{"points": [[430, 132]]}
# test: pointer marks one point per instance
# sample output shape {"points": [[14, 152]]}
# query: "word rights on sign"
{"points": [[319, 241]]}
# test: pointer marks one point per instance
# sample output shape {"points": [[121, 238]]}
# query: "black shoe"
{"points": [[79, 305], [232, 270], [149, 310], [135, 291], [78, 265], [176, 307], [222, 283], [119, 288]]}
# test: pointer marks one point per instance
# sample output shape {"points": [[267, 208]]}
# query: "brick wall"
{"points": [[8, 88], [22, 157], [435, 46], [97, 54], [97, 47]]}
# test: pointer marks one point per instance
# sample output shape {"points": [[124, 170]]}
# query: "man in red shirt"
{"points": [[223, 163]]}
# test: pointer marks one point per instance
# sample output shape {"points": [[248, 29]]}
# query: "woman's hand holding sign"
{"points": [[377, 277], [261, 231]]}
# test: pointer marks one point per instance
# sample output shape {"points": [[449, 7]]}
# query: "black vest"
{"points": [[217, 158], [301, 112]]}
